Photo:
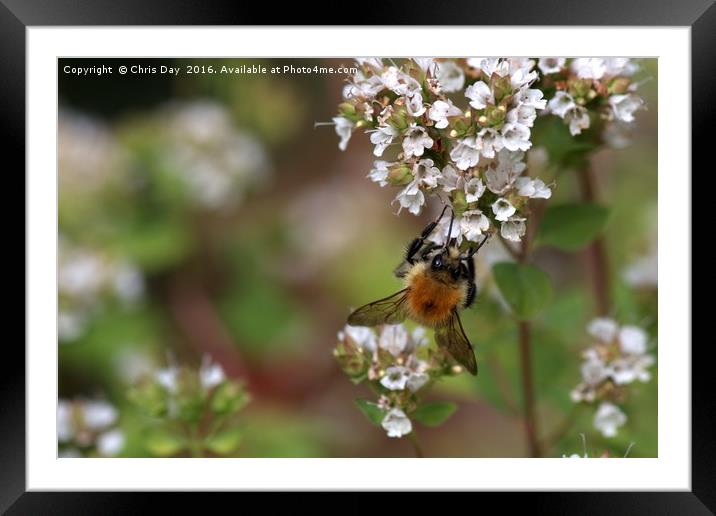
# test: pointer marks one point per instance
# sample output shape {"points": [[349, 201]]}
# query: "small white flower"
{"points": [[440, 234], [440, 111], [503, 209], [624, 106], [362, 336], [210, 374], [608, 419], [412, 198], [632, 340], [480, 95], [561, 103], [603, 329], [578, 119], [425, 63], [533, 98], [516, 137], [473, 224], [426, 173], [589, 67], [550, 65], [533, 188], [379, 173], [167, 378], [98, 414], [394, 339], [415, 105], [513, 229], [110, 444], [416, 141], [344, 129], [396, 423], [490, 141], [383, 137], [619, 66], [396, 378], [450, 76], [466, 153], [594, 371]]}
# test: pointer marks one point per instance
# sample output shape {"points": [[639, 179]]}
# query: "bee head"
{"points": [[445, 262]]}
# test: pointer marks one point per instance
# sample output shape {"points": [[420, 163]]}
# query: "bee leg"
{"points": [[471, 293], [417, 244]]}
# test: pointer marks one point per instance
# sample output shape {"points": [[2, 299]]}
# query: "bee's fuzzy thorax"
{"points": [[430, 298]]}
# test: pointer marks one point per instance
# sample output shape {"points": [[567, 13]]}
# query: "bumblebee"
{"points": [[439, 282]]}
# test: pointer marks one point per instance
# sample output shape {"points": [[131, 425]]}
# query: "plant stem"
{"points": [[524, 329], [525, 337], [413, 437], [595, 254]]}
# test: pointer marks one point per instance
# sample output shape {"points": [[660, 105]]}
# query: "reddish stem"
{"points": [[595, 254]]}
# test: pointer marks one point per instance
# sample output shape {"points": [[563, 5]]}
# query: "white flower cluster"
{"points": [[389, 357], [86, 278], [210, 375], [459, 127], [599, 86], [617, 358], [215, 160], [88, 155], [88, 427]]}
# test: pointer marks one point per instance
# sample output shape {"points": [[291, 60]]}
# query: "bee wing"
{"points": [[452, 337], [389, 310]]}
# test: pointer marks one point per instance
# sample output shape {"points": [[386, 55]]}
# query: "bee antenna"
{"points": [[452, 219], [474, 250]]}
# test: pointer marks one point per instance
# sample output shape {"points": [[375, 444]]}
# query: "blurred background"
{"points": [[203, 215]]}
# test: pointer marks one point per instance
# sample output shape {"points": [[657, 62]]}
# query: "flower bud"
{"points": [[579, 88], [401, 175], [150, 398], [230, 397], [347, 109], [495, 115], [400, 119], [619, 85], [501, 87], [459, 203]]}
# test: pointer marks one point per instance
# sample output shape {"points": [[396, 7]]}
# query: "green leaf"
{"points": [[563, 149], [526, 288], [572, 226], [224, 443], [163, 443], [372, 411], [435, 413]]}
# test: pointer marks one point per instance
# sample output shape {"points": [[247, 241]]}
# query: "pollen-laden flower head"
{"points": [[450, 130], [602, 87], [397, 362], [618, 357]]}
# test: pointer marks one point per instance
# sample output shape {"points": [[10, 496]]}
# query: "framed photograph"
{"points": [[359, 258]]}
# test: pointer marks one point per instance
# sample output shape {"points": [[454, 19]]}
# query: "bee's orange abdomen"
{"points": [[431, 301]]}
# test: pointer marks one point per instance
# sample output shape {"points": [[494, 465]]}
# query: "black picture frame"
{"points": [[17, 15]]}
